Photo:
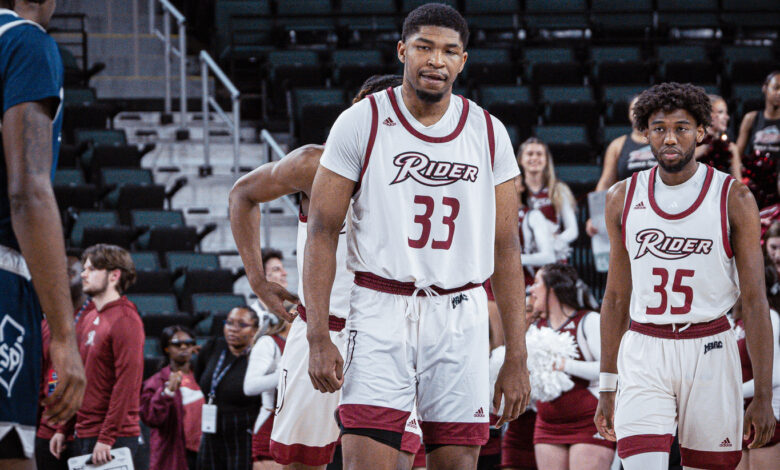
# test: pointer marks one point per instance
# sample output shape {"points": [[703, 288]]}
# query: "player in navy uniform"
{"points": [[31, 242]]}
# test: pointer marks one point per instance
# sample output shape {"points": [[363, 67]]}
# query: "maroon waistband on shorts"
{"points": [[334, 323], [679, 331], [389, 286]]}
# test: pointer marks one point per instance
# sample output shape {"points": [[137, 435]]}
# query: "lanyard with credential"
{"points": [[218, 375]]}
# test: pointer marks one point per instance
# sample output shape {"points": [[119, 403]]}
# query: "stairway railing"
{"points": [[168, 11], [209, 101]]}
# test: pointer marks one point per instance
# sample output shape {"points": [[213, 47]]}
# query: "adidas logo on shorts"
{"points": [[479, 413], [726, 443], [458, 299]]}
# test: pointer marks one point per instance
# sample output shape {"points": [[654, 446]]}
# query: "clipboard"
{"points": [[121, 460]]}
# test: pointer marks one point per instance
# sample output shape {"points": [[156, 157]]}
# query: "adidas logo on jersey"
{"points": [[655, 242], [388, 122], [420, 168], [479, 413], [726, 443], [640, 205], [458, 299], [713, 345]]}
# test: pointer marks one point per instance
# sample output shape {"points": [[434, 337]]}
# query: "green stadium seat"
{"points": [[751, 16], [79, 96], [86, 220], [379, 15], [612, 132], [68, 177], [307, 15], [409, 5], [618, 64], [580, 178], [154, 304], [568, 144], [146, 260], [150, 277], [552, 65], [228, 16], [569, 105], [683, 63], [634, 18], [559, 14], [490, 66], [72, 191], [616, 99], [163, 230], [216, 303], [187, 260], [492, 14], [134, 189], [197, 273], [314, 111], [352, 67], [513, 105], [152, 349], [748, 64], [688, 14], [112, 137]]}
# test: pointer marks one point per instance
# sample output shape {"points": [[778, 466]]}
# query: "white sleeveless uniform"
{"points": [[304, 429], [678, 364], [423, 215]]}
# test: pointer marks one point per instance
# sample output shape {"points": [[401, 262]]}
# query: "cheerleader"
{"points": [[565, 435], [716, 150]]}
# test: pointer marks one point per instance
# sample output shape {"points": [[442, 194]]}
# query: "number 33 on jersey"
{"points": [[682, 264], [424, 210]]}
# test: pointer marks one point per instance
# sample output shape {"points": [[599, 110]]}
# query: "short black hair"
{"points": [[435, 14], [377, 83], [271, 253], [669, 97]]}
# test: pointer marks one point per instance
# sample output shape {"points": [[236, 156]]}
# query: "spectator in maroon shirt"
{"points": [[111, 340], [171, 403]]}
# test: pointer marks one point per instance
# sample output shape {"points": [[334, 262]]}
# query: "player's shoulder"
{"points": [[20, 32], [359, 112]]}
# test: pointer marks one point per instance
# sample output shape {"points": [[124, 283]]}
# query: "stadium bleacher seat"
{"points": [[559, 14], [490, 66], [580, 178], [71, 190], [570, 105], [612, 132], [151, 278], [376, 15], [685, 64], [91, 227], [287, 69], [313, 111], [618, 65], [163, 231], [235, 18], [491, 15], [352, 66], [616, 100], [213, 308], [618, 18], [748, 17], [196, 273], [306, 16], [79, 96], [699, 14], [134, 188], [568, 144], [748, 64], [409, 5], [513, 105]]}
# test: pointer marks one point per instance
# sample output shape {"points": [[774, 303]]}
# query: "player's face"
{"points": [[673, 136], [433, 57], [275, 272], [533, 159], [94, 281], [772, 91], [720, 116], [773, 251]]}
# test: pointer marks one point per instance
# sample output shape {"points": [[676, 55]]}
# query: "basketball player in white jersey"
{"points": [[305, 431], [434, 210], [684, 243]]}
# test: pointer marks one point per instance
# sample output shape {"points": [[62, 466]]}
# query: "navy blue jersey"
{"points": [[30, 70]]}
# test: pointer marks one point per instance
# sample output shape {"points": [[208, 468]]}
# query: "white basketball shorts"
{"points": [[431, 349], [687, 380]]}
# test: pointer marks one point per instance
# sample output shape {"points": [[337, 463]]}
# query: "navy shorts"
{"points": [[20, 364]]}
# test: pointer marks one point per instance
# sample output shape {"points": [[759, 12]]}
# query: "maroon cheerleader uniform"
{"points": [[569, 418], [261, 440]]}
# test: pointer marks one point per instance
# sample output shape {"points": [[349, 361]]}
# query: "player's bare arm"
{"points": [[745, 234], [328, 207], [292, 174], [507, 282], [614, 309], [27, 137], [744, 131]]}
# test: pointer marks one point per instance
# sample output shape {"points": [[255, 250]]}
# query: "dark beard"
{"points": [[429, 98], [677, 167]]}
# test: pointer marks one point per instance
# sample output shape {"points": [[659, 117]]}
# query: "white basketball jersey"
{"points": [[342, 283], [425, 208], [682, 266]]}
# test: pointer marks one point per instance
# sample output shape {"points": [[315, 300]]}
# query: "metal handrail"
{"points": [[272, 148], [165, 36], [208, 102]]}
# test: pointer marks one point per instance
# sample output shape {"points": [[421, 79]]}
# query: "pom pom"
{"points": [[546, 347]]}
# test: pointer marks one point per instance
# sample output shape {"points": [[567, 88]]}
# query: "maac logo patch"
{"points": [[11, 352]]}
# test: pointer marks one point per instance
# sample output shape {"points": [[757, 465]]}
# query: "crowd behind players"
{"points": [[238, 371]]}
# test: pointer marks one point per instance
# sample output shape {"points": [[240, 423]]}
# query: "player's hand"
{"points": [[326, 367], [57, 444], [605, 416], [514, 386], [760, 422], [273, 296], [590, 229], [101, 454], [66, 399]]}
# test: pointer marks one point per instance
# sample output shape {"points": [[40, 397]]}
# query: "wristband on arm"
{"points": [[608, 382]]}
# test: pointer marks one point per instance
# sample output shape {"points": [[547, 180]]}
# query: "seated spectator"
{"points": [[220, 369], [716, 150], [262, 377], [759, 144], [545, 193], [111, 343], [273, 268], [624, 156], [565, 435], [171, 403]]}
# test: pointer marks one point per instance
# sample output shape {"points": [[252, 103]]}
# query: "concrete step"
{"points": [[151, 86]]}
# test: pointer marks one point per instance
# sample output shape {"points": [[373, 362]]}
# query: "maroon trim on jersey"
{"points": [[491, 137], [390, 286], [724, 216], [287, 454], [301, 216], [651, 196], [373, 417], [627, 206], [371, 140], [707, 459], [643, 443], [463, 434], [334, 323], [672, 331], [434, 140]]}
